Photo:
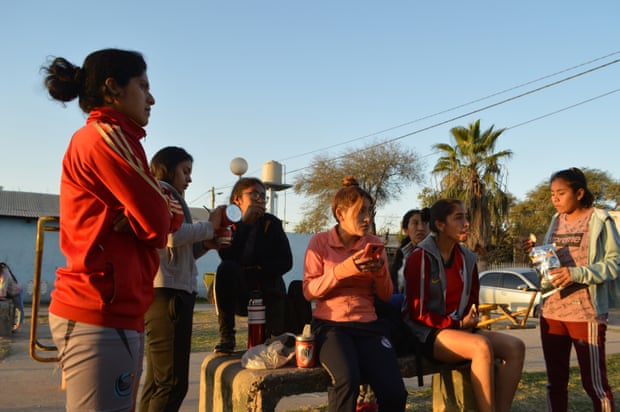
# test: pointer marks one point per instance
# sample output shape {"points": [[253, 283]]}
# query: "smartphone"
{"points": [[373, 250]]}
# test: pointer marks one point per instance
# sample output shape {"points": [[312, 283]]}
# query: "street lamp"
{"points": [[238, 166]]}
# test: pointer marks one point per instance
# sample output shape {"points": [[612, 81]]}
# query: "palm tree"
{"points": [[471, 171]]}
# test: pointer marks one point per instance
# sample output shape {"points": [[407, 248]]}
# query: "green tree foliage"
{"points": [[382, 169], [534, 213], [471, 171], [605, 189], [502, 246]]}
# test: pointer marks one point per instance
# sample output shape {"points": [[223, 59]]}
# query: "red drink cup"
{"points": [[304, 351]]}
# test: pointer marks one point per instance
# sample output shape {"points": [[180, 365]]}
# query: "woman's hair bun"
{"points": [[349, 181]]}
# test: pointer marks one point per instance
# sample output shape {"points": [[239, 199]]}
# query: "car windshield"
{"points": [[533, 277]]}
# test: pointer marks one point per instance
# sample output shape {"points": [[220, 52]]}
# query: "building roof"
{"points": [[27, 204], [35, 205]]}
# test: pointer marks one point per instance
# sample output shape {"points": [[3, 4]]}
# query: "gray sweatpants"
{"points": [[101, 366]]}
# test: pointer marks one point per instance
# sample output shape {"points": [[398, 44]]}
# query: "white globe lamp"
{"points": [[238, 166]]}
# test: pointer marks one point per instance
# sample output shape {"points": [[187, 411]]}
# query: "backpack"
{"points": [[298, 309]]}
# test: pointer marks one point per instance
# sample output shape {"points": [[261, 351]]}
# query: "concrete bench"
{"points": [[226, 386]]}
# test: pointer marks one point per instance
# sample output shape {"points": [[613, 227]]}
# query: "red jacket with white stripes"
{"points": [[108, 278]]}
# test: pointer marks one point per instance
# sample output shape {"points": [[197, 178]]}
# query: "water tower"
{"points": [[272, 178]]}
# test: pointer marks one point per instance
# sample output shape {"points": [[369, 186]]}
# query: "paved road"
{"points": [[36, 385]]}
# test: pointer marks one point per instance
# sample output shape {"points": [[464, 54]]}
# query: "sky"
{"points": [[286, 81]]}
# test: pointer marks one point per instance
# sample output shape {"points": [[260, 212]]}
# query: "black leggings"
{"points": [[355, 353], [233, 286]]}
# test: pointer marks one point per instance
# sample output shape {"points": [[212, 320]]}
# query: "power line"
{"points": [[463, 115], [563, 109], [548, 85], [453, 108], [391, 216]]}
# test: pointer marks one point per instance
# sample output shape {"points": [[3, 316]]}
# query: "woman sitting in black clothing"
{"points": [[257, 259]]}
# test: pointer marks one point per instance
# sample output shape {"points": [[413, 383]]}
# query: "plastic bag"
{"points": [[272, 354], [545, 260]]}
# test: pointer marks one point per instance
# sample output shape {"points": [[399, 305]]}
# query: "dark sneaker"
{"points": [[225, 347]]}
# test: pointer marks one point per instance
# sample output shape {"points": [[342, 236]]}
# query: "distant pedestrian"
{"points": [[10, 288], [588, 248], [113, 218]]}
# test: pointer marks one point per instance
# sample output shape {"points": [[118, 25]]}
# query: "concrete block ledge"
{"points": [[226, 386]]}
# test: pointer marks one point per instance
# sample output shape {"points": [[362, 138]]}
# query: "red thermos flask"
{"points": [[256, 320]]}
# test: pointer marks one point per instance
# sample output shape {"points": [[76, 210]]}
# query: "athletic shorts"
{"points": [[427, 347]]}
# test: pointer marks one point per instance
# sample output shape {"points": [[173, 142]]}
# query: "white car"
{"points": [[512, 287]]}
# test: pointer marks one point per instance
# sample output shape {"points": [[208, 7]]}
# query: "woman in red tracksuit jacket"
{"points": [[113, 217]]}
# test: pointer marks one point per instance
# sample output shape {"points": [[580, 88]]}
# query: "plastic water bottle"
{"points": [[256, 319]]}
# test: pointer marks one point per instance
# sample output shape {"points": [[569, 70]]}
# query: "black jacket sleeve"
{"points": [[274, 251], [262, 248]]}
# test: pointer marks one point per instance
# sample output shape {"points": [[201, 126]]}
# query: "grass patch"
{"points": [[205, 333], [531, 393], [530, 396]]}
